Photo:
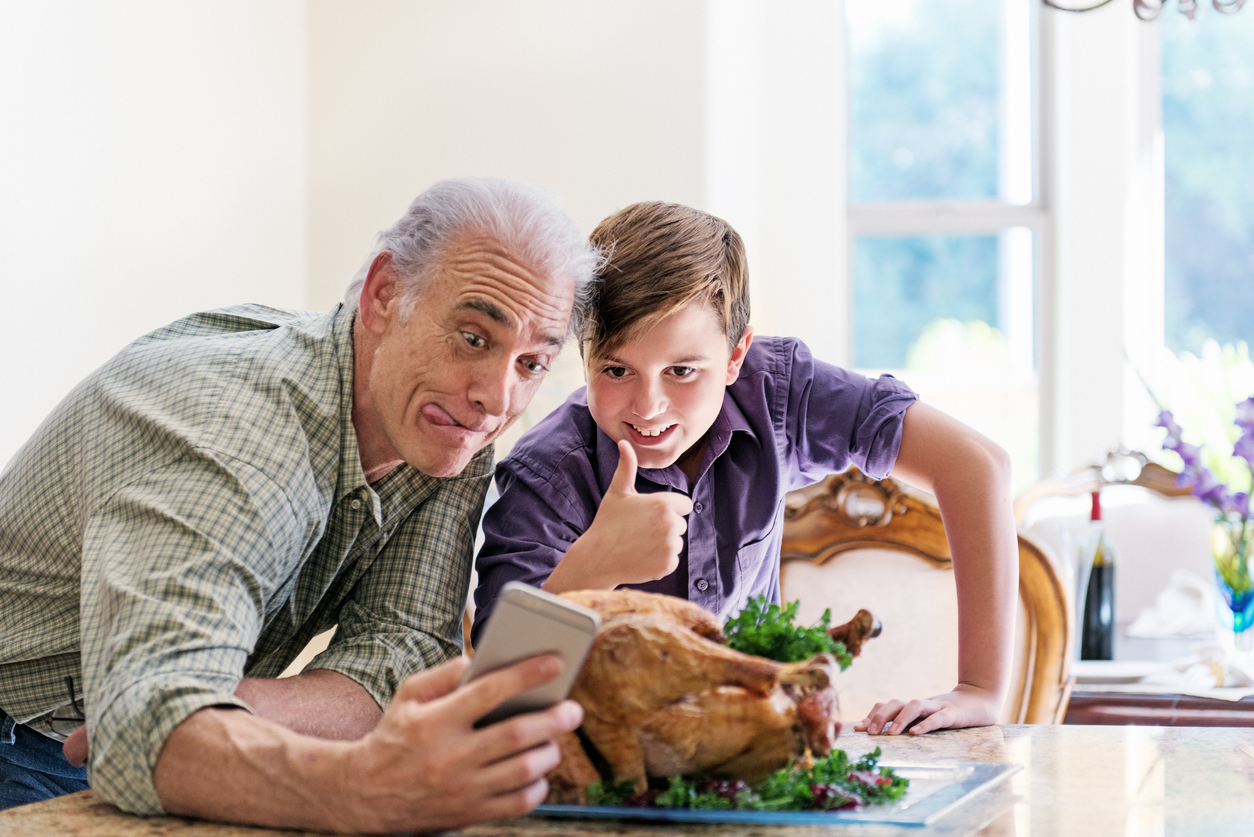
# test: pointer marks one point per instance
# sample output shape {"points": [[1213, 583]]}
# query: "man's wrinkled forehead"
{"points": [[490, 278]]}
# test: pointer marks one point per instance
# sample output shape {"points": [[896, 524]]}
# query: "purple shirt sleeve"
{"points": [[834, 417]]}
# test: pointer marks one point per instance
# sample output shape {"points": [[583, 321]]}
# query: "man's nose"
{"points": [[491, 387]]}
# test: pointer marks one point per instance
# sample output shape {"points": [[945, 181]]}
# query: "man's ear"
{"points": [[737, 358], [380, 295]]}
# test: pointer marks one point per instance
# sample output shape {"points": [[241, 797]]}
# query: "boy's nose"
{"points": [[649, 401]]}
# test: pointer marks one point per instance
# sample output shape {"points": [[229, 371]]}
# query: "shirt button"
{"points": [[702, 584], [698, 507], [356, 504]]}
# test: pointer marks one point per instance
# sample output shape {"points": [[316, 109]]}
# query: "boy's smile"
{"points": [[662, 391]]}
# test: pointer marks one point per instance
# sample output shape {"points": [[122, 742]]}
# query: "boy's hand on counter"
{"points": [[634, 537], [965, 706]]}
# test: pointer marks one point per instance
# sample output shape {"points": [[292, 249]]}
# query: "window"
{"points": [[944, 216], [1208, 118]]}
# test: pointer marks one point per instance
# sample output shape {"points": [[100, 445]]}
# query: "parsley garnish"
{"points": [[830, 784], [767, 630]]}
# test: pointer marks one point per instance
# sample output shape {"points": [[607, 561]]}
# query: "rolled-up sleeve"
{"points": [[405, 613], [836, 417], [177, 567]]}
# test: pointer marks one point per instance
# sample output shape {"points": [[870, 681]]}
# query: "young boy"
{"points": [[667, 473]]}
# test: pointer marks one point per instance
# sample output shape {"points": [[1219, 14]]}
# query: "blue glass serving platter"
{"points": [[935, 790]]}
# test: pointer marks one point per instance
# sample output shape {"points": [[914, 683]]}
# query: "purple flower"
{"points": [[1196, 476], [1245, 415], [1218, 496], [1244, 447], [1168, 421], [1201, 480], [1165, 419], [1193, 467]]}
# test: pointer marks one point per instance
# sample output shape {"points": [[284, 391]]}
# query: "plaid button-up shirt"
{"points": [[195, 511]]}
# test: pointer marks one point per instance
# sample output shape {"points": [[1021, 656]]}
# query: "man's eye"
{"points": [[535, 367], [615, 371], [682, 371], [474, 340]]}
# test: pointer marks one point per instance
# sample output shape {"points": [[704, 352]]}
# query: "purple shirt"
{"points": [[789, 420]]}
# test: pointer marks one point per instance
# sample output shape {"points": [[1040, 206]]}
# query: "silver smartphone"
{"points": [[527, 622]]}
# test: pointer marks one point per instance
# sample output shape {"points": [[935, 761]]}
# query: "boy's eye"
{"points": [[682, 371], [615, 371], [474, 340]]}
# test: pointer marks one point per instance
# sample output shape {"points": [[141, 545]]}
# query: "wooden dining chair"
{"points": [[852, 542], [1120, 467], [1156, 527]]}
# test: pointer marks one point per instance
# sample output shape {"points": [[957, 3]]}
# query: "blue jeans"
{"points": [[32, 766]]}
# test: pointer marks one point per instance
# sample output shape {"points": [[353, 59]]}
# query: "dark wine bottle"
{"points": [[1097, 632]]}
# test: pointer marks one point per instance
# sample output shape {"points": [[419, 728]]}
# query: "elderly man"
{"points": [[236, 482]]}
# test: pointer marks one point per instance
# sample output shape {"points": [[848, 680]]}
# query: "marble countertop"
{"points": [[1077, 781]]}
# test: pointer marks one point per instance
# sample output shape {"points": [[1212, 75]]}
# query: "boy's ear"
{"points": [[737, 358], [379, 302]]}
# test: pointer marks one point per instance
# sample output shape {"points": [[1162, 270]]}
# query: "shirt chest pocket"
{"points": [[757, 559]]}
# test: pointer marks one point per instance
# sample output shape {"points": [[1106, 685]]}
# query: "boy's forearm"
{"points": [[970, 477], [575, 572], [984, 545]]}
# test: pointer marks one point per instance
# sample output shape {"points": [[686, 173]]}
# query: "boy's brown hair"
{"points": [[661, 258]]}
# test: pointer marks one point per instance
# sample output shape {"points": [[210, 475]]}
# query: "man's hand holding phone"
{"points": [[426, 766], [473, 740]]}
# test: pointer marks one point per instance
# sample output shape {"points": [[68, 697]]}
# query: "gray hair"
{"points": [[529, 222]]}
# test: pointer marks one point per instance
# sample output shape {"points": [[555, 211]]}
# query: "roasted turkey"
{"points": [[663, 696]]}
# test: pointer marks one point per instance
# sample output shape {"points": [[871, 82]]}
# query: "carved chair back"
{"points": [[851, 541]]}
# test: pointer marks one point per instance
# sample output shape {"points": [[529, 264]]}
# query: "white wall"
{"points": [[152, 163], [600, 102], [775, 160]]}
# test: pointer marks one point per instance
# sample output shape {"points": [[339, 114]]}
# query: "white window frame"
{"points": [[983, 216]]}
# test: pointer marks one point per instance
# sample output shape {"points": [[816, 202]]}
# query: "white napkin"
{"points": [[1210, 667], [1185, 607]]}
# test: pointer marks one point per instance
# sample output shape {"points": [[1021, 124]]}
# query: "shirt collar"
{"points": [[350, 477]]}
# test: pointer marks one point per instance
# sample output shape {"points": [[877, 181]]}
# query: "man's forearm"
{"points": [[321, 703], [424, 767], [230, 766]]}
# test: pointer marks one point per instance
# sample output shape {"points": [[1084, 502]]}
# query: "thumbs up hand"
{"points": [[634, 537]]}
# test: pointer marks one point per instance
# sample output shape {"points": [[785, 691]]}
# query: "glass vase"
{"points": [[1234, 606]]}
